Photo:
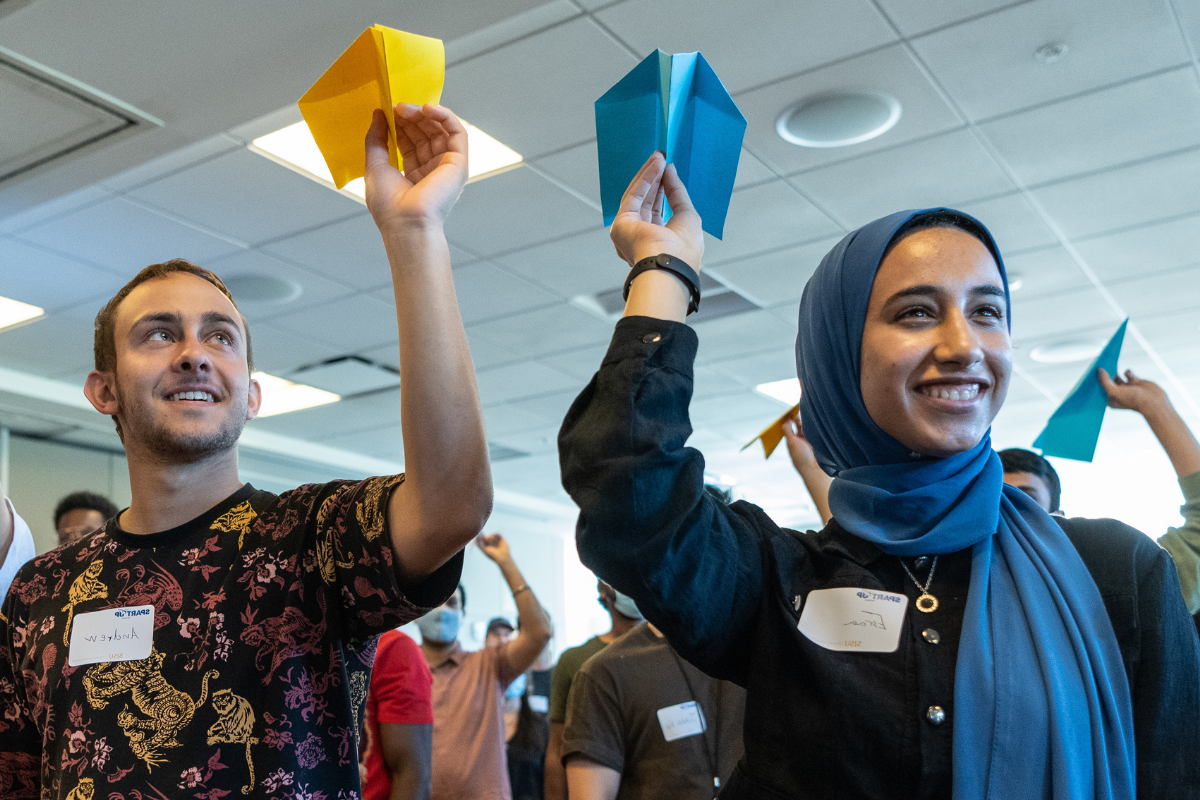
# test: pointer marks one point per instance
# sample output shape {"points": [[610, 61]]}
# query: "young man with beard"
{"points": [[198, 644]]}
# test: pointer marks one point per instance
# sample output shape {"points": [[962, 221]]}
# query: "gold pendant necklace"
{"points": [[926, 603]]}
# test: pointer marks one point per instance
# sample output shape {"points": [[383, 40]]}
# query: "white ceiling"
{"points": [[1085, 169]]}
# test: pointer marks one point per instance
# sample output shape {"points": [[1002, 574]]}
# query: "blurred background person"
{"points": [[398, 752], [624, 616], [644, 723], [16, 545], [469, 757], [80, 513]]}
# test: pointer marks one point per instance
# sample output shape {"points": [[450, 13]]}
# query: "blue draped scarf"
{"points": [[1042, 707]]}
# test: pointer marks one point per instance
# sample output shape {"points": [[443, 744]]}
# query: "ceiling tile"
{"points": [[1144, 249], [585, 263], [33, 275], [773, 365], [751, 171], [1125, 196], [60, 206], [350, 251], [577, 167], [799, 36], [174, 161], [347, 376], [278, 351], [537, 442], [357, 414], [581, 364], [385, 442], [124, 238], [503, 419], [351, 325], [988, 64], [739, 334], [943, 170], [247, 197], [552, 77], [767, 216], [513, 210], [913, 17], [1173, 335], [1059, 314], [888, 70], [546, 330], [552, 407], [524, 379], [485, 292], [314, 288], [777, 276], [1012, 222], [1159, 293], [1101, 129], [1044, 272], [49, 345], [708, 382], [746, 405]]}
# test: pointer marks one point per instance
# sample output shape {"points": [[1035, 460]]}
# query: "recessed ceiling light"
{"points": [[786, 391], [838, 119], [262, 289], [1049, 53], [1015, 281], [14, 313], [281, 396], [295, 148], [1066, 352]]}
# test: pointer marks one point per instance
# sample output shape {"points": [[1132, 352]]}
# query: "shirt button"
{"points": [[935, 714], [650, 338], [931, 636], [921, 562]]}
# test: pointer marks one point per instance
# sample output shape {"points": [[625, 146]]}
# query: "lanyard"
{"points": [[708, 751]]}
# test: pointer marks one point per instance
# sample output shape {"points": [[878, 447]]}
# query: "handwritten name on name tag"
{"points": [[115, 634], [681, 721], [848, 618]]}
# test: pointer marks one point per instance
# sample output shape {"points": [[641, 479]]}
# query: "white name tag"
{"points": [[862, 620], [681, 721], [115, 634]]}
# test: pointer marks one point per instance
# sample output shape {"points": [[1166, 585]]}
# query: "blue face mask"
{"points": [[625, 606], [441, 624], [516, 688]]}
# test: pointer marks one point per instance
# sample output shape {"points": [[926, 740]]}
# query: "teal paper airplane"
{"points": [[1074, 427], [677, 104]]}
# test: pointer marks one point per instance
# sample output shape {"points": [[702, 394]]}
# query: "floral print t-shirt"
{"points": [[266, 613]]}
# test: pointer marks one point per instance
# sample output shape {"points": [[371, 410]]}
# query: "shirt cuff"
{"points": [[1190, 486], [667, 344]]}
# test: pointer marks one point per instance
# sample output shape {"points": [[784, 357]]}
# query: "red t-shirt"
{"points": [[401, 693]]}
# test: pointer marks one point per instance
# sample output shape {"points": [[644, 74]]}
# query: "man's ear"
{"points": [[254, 401], [100, 389]]}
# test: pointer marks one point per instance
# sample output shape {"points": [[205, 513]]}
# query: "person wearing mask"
{"points": [[398, 755], [200, 641], [643, 723], [81, 513], [869, 650], [624, 615], [469, 757]]}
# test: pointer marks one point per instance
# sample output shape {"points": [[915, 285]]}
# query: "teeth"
{"points": [[967, 392], [205, 396]]}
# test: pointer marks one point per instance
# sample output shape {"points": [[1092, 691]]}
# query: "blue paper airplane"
{"points": [[677, 104], [1074, 427]]}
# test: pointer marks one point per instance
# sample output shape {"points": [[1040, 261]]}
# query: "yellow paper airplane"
{"points": [[773, 435], [382, 68]]}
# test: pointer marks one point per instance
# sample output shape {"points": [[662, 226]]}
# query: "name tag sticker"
{"points": [[681, 721], [115, 634], [860, 620]]}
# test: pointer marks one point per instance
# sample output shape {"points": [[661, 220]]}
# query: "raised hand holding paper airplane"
{"points": [[677, 104], [382, 68], [1074, 427]]}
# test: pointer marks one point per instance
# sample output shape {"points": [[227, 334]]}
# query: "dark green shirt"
{"points": [[564, 672]]}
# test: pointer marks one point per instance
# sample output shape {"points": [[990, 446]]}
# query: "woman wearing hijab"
{"points": [[942, 636]]}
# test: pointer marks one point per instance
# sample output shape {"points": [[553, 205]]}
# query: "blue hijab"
{"points": [[1041, 701]]}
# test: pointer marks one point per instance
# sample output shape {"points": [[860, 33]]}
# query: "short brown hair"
{"points": [[105, 341]]}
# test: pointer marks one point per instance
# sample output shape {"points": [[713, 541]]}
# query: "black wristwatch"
{"points": [[673, 265]]}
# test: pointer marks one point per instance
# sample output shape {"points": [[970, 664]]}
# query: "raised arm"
{"points": [[447, 491], [1148, 399], [646, 526], [805, 462], [533, 628]]}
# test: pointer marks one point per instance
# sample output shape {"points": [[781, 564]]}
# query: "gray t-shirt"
{"points": [[613, 720]]}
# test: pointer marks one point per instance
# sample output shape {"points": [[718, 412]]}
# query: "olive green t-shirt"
{"points": [[564, 672]]}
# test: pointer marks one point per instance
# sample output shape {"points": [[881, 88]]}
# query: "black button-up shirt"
{"points": [[722, 581]]}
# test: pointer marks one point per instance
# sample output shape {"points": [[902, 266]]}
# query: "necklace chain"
{"points": [[928, 583], [926, 603]]}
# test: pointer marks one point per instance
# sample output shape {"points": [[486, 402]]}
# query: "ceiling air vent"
{"points": [[349, 376], [717, 300], [49, 116]]}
